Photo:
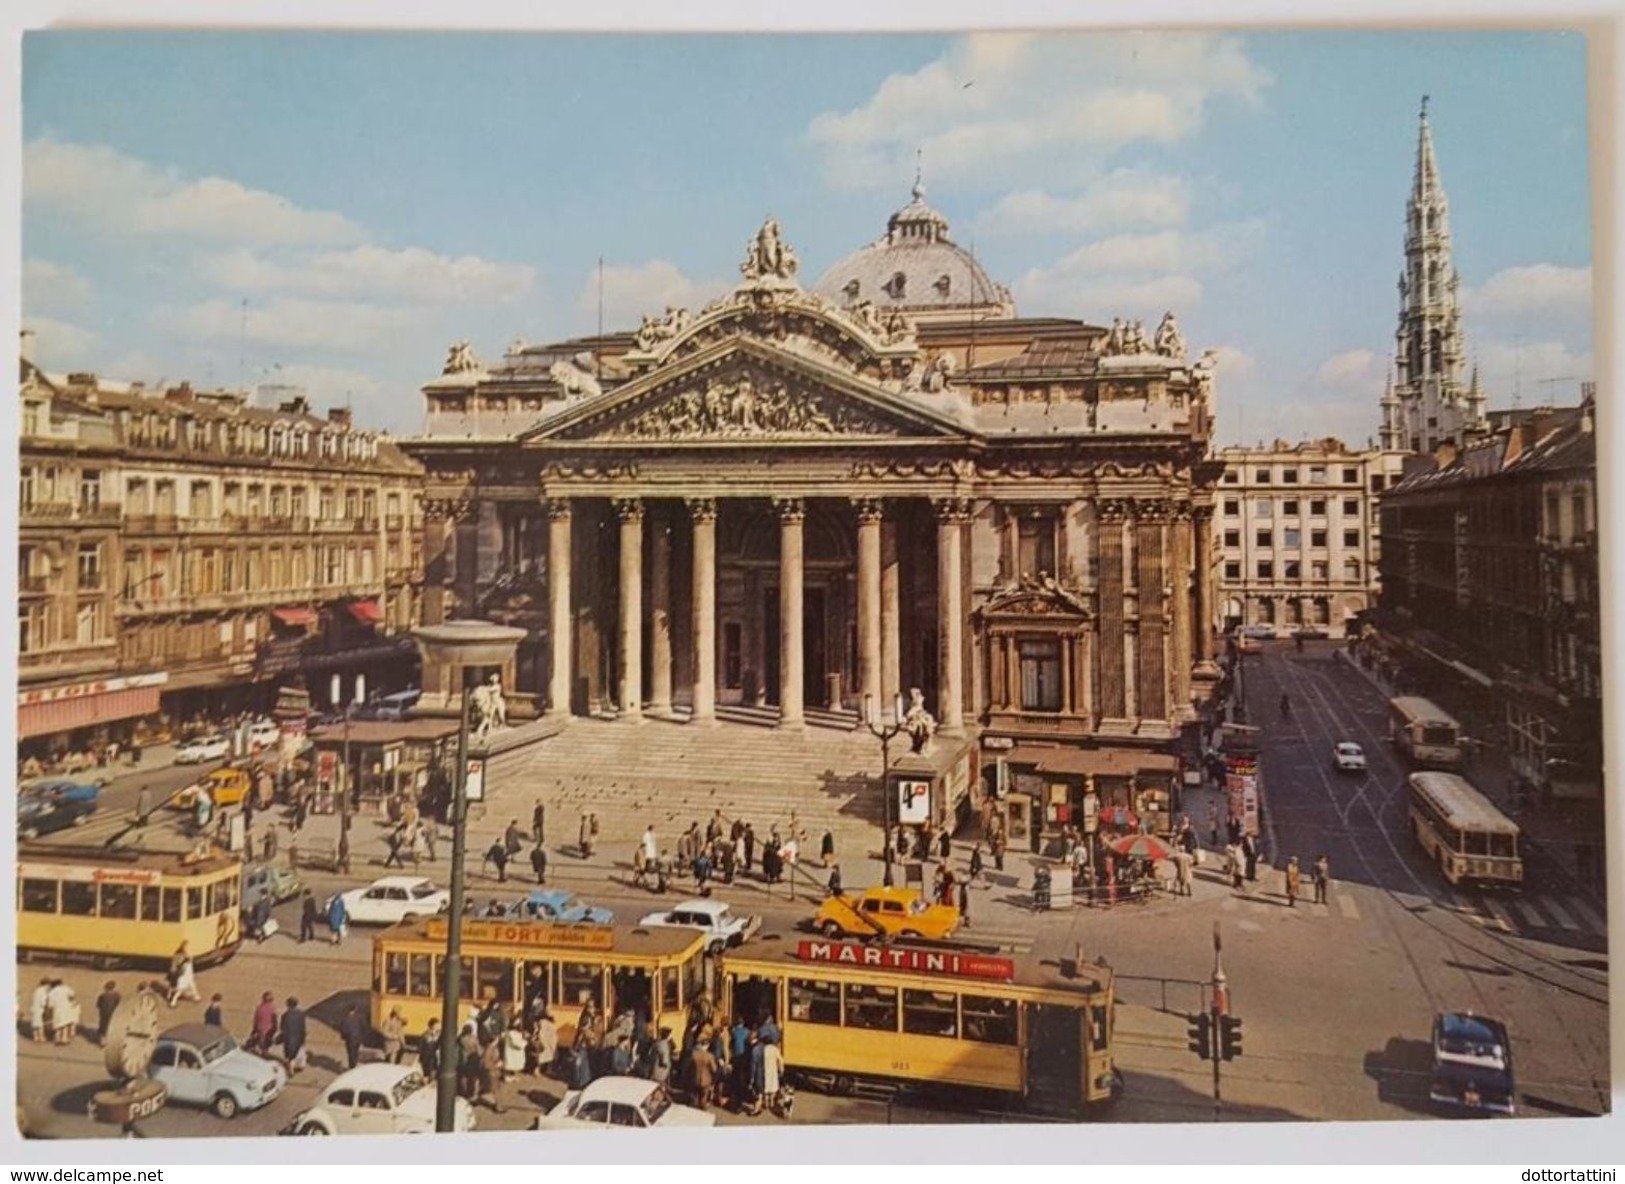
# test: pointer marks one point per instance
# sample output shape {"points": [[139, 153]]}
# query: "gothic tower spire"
{"points": [[1433, 402]]}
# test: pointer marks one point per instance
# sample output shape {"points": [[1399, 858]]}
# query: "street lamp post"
{"points": [[470, 647], [344, 797], [885, 733]]}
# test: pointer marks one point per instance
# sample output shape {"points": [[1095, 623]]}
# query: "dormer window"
{"points": [[944, 285], [852, 289], [896, 286]]}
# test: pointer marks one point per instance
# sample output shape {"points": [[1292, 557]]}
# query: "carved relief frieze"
{"points": [[747, 406], [586, 469]]}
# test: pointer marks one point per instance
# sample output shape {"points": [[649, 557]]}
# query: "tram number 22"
{"points": [[900, 1066]]}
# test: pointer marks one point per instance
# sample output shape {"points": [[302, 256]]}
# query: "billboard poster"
{"points": [[474, 780], [913, 801]]}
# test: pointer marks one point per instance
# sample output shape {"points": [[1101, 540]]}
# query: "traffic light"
{"points": [[1229, 1036], [1201, 1035]]}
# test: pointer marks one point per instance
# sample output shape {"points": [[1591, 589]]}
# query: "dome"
{"points": [[916, 268]]}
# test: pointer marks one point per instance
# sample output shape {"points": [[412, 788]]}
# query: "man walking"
{"points": [[263, 1032], [429, 1051], [1249, 851], [397, 839], [308, 912], [338, 917], [538, 823], [294, 1034], [1294, 882], [1323, 879], [538, 863], [352, 1032], [1183, 862], [512, 841], [106, 1004], [750, 846]]}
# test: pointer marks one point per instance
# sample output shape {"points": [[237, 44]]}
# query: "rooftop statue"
{"points": [[461, 359], [1170, 341], [769, 256]]}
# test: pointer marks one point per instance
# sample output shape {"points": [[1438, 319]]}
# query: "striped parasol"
{"points": [[1141, 847]]}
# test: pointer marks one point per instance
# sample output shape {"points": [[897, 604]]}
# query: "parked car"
{"points": [[264, 733], [202, 749], [54, 804], [1348, 757], [225, 787], [276, 880], [1472, 1064], [377, 1099], [201, 1065], [715, 919], [1260, 632], [885, 912], [621, 1102], [394, 899], [561, 907]]}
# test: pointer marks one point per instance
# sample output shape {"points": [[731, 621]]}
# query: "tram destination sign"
{"points": [[528, 933], [947, 962]]}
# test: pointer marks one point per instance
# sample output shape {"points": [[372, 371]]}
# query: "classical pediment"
{"points": [[1040, 597], [748, 392]]}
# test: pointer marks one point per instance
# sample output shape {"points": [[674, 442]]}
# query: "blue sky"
{"points": [[374, 198]]}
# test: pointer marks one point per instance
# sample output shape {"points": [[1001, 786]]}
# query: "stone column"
{"points": [[869, 630], [891, 613], [660, 620], [1114, 675], [1179, 566], [560, 623], [703, 512], [951, 515], [630, 512], [792, 514], [1202, 606], [1151, 679]]}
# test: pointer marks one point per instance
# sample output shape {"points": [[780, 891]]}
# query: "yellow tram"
{"points": [[1037, 1033], [122, 906], [655, 972]]}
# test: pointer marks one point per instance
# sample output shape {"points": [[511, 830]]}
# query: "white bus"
{"points": [[1424, 732], [1463, 832]]}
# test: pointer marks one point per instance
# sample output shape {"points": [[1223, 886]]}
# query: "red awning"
{"points": [[294, 616], [366, 611], [85, 711]]}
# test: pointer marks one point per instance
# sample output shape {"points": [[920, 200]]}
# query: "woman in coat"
{"points": [[64, 1006], [184, 977], [338, 917]]}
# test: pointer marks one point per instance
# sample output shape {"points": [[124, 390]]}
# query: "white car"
{"points": [[1348, 757], [612, 1102], [264, 733], [715, 919], [202, 1065], [377, 1099], [203, 748], [394, 899]]}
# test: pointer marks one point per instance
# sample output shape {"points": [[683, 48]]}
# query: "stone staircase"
{"points": [[671, 773]]}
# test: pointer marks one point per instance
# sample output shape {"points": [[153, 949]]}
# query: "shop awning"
{"points": [[1108, 762], [366, 611], [65, 709], [294, 616]]}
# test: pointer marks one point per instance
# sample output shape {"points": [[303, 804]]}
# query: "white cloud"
{"points": [[1541, 289], [123, 195], [1235, 364], [293, 322], [1124, 197], [326, 385], [409, 275], [59, 345], [632, 293], [1532, 372], [54, 287], [1355, 367], [999, 102]]}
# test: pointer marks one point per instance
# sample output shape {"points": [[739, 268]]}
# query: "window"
{"points": [[1292, 538], [1040, 675], [1232, 507], [1578, 505], [1351, 538], [90, 490], [1263, 507], [988, 1019], [1290, 506], [1351, 476], [149, 904], [580, 983], [194, 902], [371, 1101], [1376, 483], [1232, 538], [1266, 569], [1317, 474], [1232, 571], [163, 1056], [870, 1007], [78, 899], [1263, 476], [1317, 538], [1319, 570], [1289, 476], [495, 979], [1351, 570], [172, 904], [1035, 544], [931, 1013], [1351, 506], [90, 567], [118, 900], [1264, 538], [418, 981], [1317, 505], [814, 1002], [39, 896], [341, 1097], [1293, 571], [1231, 477]]}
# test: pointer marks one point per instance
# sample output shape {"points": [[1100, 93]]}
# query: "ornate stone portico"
{"points": [[790, 502]]}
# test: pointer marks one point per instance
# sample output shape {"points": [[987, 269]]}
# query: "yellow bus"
{"points": [[124, 906], [1424, 732], [657, 972], [1463, 832], [1034, 1033]]}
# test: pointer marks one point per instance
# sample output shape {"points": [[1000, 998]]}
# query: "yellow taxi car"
{"points": [[885, 912], [226, 787]]}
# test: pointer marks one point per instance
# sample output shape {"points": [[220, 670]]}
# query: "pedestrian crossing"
{"points": [[1571, 915]]}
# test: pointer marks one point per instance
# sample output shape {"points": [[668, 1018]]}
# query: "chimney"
{"points": [[179, 394], [25, 346], [339, 415], [1445, 454]]}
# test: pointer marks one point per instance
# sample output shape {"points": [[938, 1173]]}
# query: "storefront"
{"points": [[382, 760], [79, 716], [1042, 792]]}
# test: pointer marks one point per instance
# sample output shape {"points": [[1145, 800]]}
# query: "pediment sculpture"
{"points": [[656, 330], [461, 359], [768, 256], [740, 407], [574, 379], [1170, 342], [1126, 338]]}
